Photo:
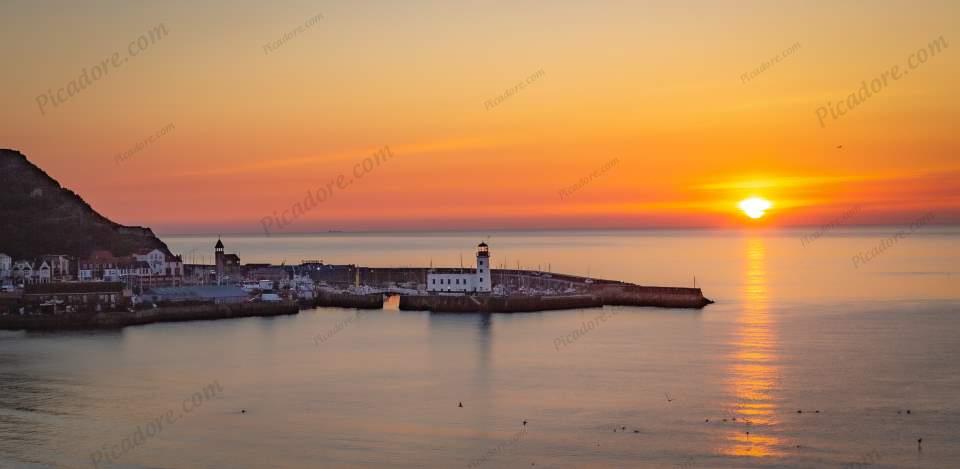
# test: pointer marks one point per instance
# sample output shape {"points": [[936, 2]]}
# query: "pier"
{"points": [[496, 304], [170, 313], [526, 291]]}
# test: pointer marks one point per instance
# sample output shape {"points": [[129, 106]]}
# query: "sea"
{"points": [[832, 347]]}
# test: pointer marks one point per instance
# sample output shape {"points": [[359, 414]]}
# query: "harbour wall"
{"points": [[118, 319], [663, 297], [496, 304], [385, 276], [348, 300], [611, 292]]}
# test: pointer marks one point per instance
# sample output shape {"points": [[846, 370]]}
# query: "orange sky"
{"points": [[655, 85]]}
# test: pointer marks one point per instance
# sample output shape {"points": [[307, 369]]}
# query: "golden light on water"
{"points": [[754, 374], [755, 207]]}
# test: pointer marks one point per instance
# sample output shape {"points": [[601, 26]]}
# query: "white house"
{"points": [[59, 266], [43, 273], [100, 265], [477, 281], [22, 272], [160, 264], [6, 266], [133, 271]]}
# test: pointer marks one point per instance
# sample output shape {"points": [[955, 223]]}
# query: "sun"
{"points": [[755, 207]]}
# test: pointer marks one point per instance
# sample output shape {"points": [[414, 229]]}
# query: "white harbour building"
{"points": [[477, 281], [6, 267]]}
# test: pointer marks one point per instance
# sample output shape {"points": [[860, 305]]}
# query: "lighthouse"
{"points": [[457, 281], [483, 268]]}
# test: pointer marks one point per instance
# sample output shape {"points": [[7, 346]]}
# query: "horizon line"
{"points": [[520, 230]]}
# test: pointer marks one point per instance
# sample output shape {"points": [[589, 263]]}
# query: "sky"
{"points": [[241, 116]]}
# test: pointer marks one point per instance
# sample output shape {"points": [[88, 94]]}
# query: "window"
{"points": [[481, 279], [433, 281]]}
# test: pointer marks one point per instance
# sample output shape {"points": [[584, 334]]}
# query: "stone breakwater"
{"points": [[349, 300], [663, 297], [611, 292], [599, 296], [496, 304], [118, 319]]}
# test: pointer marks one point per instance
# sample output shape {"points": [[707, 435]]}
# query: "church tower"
{"points": [[483, 268], [218, 255]]}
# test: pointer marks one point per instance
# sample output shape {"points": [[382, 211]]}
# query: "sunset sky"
{"points": [[656, 86]]}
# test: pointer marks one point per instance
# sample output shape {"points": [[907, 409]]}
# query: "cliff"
{"points": [[38, 216]]}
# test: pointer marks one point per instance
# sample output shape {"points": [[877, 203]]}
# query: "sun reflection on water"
{"points": [[754, 377]]}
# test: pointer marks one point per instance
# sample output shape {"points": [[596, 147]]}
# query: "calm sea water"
{"points": [[795, 328]]}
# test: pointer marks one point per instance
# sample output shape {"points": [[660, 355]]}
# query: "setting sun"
{"points": [[755, 207]]}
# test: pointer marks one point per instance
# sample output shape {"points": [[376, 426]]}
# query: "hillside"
{"points": [[38, 216]]}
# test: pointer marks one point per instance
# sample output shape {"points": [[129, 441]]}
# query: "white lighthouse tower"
{"points": [[483, 268], [459, 282]]}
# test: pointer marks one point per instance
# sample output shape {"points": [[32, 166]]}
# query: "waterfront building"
{"points": [[134, 271], [59, 265], [22, 272], [477, 281], [161, 264], [42, 274], [6, 267], [219, 294], [199, 274], [77, 296], [227, 265], [101, 265], [276, 275], [46, 269], [334, 274]]}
